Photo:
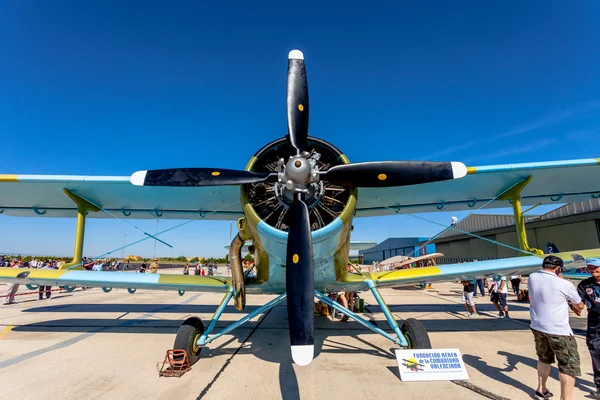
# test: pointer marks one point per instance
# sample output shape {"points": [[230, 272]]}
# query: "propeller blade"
{"points": [[197, 177], [300, 283], [393, 173], [297, 101]]}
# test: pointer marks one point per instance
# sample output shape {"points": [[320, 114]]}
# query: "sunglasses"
{"points": [[593, 266]]}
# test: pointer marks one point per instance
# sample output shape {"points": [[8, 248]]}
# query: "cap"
{"points": [[593, 261]]}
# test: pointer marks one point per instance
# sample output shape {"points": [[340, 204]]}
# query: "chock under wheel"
{"points": [[175, 364]]}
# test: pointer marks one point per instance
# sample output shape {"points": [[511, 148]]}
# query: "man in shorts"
{"points": [[500, 297], [467, 299], [551, 297]]}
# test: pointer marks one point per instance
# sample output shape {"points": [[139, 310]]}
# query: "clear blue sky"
{"points": [[156, 85]]}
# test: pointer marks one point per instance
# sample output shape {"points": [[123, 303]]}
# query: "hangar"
{"points": [[574, 226]]}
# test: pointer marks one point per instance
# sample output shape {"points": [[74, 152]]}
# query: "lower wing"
{"points": [[53, 277], [469, 270]]}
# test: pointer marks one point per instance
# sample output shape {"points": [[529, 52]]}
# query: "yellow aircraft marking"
{"points": [[471, 170], [216, 173], [300, 107], [191, 280], [382, 177], [407, 274], [5, 331], [295, 258], [8, 178], [32, 273]]}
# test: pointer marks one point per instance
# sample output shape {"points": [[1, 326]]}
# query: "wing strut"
{"points": [[83, 206], [513, 194]]}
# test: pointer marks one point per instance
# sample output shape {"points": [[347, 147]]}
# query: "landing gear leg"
{"points": [[413, 332], [412, 335], [192, 336]]}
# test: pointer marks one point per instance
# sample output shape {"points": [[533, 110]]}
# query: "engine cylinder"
{"points": [[271, 200]]}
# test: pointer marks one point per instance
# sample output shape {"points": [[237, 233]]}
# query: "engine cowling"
{"points": [[271, 200]]}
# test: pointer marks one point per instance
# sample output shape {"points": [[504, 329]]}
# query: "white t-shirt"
{"points": [[498, 281], [548, 295]]}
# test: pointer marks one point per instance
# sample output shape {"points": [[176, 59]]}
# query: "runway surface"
{"points": [[93, 345]]}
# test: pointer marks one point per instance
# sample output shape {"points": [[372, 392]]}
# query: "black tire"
{"points": [[186, 338], [415, 334]]}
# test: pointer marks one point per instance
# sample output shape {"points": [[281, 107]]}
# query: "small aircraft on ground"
{"points": [[295, 203]]}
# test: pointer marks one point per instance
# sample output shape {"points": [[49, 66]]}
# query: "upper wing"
{"points": [[53, 277], [555, 181], [469, 271], [43, 195]]}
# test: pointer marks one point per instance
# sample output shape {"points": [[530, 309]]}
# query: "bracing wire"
{"points": [[446, 228], [148, 236]]}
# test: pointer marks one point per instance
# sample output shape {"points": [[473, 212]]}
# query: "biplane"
{"points": [[294, 204]]}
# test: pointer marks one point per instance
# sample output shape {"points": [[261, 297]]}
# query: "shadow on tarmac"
{"points": [[332, 328], [512, 363], [193, 308]]}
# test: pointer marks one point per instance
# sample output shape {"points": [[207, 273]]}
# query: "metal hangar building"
{"points": [[574, 226]]}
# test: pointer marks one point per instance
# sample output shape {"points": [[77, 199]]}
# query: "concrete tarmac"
{"points": [[91, 345]]}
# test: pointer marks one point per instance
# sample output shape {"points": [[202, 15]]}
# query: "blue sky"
{"points": [[107, 89]]}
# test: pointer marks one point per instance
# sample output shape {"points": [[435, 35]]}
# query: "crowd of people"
{"points": [[497, 288], [12, 288], [551, 296]]}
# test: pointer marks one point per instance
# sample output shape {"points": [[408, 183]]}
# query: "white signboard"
{"points": [[431, 365]]}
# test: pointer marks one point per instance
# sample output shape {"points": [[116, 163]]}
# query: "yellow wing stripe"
{"points": [[9, 178], [32, 273], [192, 280], [402, 274]]}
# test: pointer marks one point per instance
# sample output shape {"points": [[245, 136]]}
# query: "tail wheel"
{"points": [[415, 334], [187, 338]]}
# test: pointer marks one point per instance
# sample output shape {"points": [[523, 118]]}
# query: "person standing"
{"points": [[500, 298], [481, 286], [467, 299], [515, 281], [589, 291], [45, 289], [11, 289], [154, 266], [550, 299]]}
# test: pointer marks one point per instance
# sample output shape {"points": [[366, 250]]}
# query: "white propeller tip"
{"points": [[458, 169], [296, 55], [138, 178], [303, 355]]}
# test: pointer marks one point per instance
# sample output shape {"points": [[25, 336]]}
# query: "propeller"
{"points": [[300, 283], [393, 173], [297, 101], [198, 177]]}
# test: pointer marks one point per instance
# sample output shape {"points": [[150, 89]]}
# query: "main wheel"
{"points": [[187, 338], [415, 334]]}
